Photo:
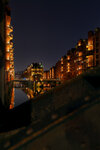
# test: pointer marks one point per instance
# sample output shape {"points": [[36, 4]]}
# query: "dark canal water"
{"points": [[21, 95]]}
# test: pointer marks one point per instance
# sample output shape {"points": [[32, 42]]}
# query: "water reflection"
{"points": [[20, 95], [31, 94], [12, 99], [23, 92]]}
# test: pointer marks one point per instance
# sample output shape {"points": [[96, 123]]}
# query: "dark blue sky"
{"points": [[45, 29]]}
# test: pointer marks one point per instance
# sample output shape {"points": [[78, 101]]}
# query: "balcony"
{"points": [[11, 45], [11, 36], [11, 50], [7, 47], [11, 28], [11, 59]]}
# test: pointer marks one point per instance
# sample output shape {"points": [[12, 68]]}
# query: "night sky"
{"points": [[45, 29]]}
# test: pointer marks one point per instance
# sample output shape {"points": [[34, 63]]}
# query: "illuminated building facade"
{"points": [[80, 57], [6, 52], [34, 72], [52, 72], [90, 50], [9, 55], [46, 75], [86, 55], [70, 65], [58, 70], [97, 47]]}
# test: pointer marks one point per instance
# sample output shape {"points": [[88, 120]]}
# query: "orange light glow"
{"points": [[9, 66], [68, 64], [12, 100], [68, 70], [7, 56], [79, 43], [80, 59], [80, 53], [90, 60], [90, 45], [8, 21], [79, 72], [62, 60], [80, 67], [68, 57], [62, 69]]}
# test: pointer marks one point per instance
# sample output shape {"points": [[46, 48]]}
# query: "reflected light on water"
{"points": [[21, 93], [12, 99]]}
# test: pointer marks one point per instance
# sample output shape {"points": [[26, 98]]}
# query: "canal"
{"points": [[21, 95], [22, 92]]}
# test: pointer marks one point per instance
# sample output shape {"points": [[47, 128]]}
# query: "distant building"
{"points": [[80, 53], [58, 70], [84, 56], [52, 72], [46, 75], [70, 71], [34, 72], [18, 74]]}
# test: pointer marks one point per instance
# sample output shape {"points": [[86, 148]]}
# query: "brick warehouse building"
{"points": [[6, 52], [86, 55]]}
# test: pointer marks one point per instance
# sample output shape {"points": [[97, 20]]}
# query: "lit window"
{"points": [[61, 60], [90, 60], [61, 68], [80, 54], [90, 45], [68, 57], [79, 43]]}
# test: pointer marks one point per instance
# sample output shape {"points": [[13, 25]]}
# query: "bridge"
{"points": [[28, 83]]}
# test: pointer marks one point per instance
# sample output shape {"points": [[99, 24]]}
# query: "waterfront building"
{"points": [[46, 75], [90, 50], [52, 72], [9, 55], [58, 70], [96, 44], [34, 72], [80, 53], [70, 65], [6, 52], [18, 74], [86, 55]]}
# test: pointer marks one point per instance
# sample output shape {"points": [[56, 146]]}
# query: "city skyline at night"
{"points": [[45, 31]]}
